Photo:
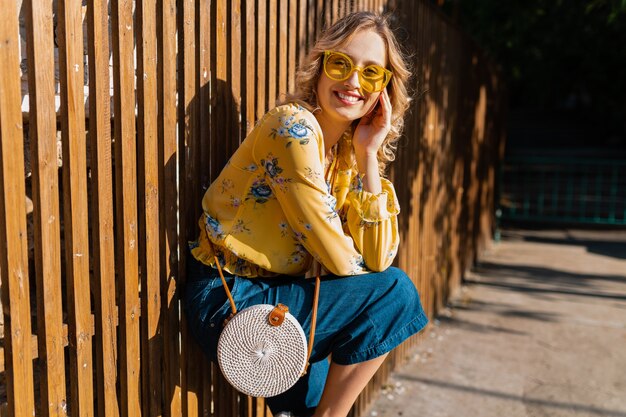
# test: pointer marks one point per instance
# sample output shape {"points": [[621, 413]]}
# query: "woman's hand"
{"points": [[373, 127], [368, 138]]}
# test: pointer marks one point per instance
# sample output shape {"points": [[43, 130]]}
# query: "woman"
{"points": [[271, 215]]}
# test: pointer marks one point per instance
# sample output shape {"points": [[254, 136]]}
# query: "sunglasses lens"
{"points": [[338, 67], [373, 78]]}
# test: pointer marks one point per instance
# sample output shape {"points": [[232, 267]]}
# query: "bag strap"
{"points": [[313, 316], [233, 307]]}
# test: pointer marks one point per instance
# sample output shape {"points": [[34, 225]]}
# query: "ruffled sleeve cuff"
{"points": [[373, 208]]}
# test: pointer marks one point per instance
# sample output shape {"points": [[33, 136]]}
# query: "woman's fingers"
{"points": [[385, 106]]}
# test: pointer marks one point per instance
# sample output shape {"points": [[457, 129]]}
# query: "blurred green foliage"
{"points": [[555, 54]]}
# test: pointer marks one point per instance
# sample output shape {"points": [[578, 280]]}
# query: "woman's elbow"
{"points": [[379, 263]]}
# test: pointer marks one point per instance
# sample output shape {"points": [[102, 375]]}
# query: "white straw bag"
{"points": [[259, 359], [262, 350]]}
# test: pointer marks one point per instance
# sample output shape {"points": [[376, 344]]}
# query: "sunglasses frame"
{"points": [[388, 74]]}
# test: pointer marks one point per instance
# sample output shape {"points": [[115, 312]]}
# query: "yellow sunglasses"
{"points": [[338, 66]]}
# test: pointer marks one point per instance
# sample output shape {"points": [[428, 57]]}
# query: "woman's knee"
{"points": [[400, 285]]}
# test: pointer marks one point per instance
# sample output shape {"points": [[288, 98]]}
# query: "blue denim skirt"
{"points": [[359, 317]]}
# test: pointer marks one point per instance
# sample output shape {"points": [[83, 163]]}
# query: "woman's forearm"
{"points": [[368, 167]]}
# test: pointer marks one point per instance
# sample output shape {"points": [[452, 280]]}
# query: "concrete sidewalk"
{"points": [[539, 330]]}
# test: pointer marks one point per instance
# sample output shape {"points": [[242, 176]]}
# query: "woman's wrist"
{"points": [[367, 164]]}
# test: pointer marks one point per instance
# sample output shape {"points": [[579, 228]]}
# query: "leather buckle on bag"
{"points": [[277, 315], [227, 319]]}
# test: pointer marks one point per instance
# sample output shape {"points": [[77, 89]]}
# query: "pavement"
{"points": [[538, 329]]}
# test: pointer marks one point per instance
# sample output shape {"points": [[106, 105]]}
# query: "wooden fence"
{"points": [[93, 236]]}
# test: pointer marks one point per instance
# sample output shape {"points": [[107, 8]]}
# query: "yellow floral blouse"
{"points": [[271, 210]]}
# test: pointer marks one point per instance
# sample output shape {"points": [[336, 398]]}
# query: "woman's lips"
{"points": [[347, 98]]}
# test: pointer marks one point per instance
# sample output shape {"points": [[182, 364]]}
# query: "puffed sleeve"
{"points": [[373, 223], [289, 147]]}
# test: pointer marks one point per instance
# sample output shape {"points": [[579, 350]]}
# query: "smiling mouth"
{"points": [[347, 98]]}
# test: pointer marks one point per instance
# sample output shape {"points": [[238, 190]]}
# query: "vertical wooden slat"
{"points": [[236, 53], [283, 48], [250, 67], [261, 31], [419, 250], [429, 131], [207, 385], [149, 203], [126, 193], [188, 189], [102, 208], [302, 31], [440, 208], [75, 204], [204, 95], [272, 46], [194, 376], [217, 388], [13, 241], [220, 394], [293, 40], [166, 91], [188, 129], [423, 278], [319, 18], [311, 24], [328, 13], [223, 97], [46, 214]]}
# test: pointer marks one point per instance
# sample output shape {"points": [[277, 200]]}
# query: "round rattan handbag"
{"points": [[262, 350]]}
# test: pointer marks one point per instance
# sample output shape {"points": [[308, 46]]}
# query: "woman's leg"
{"points": [[302, 398], [344, 384]]}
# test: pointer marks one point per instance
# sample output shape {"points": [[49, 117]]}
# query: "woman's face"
{"points": [[345, 101]]}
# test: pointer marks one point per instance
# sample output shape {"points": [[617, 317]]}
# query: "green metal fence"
{"points": [[564, 190]]}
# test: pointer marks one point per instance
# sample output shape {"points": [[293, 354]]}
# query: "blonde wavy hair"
{"points": [[309, 72]]}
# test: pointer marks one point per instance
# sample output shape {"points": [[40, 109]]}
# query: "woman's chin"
{"points": [[350, 113]]}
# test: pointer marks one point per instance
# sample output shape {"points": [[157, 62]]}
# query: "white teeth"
{"points": [[347, 98]]}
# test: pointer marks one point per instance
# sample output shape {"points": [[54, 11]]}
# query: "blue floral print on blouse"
{"points": [[240, 227], [284, 228], [356, 185], [226, 185], [312, 175], [291, 129], [251, 168], [213, 227], [273, 171], [260, 192], [298, 255], [331, 203], [358, 264], [235, 201], [271, 166], [299, 130]]}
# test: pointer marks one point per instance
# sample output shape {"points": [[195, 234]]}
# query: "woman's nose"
{"points": [[353, 80]]}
